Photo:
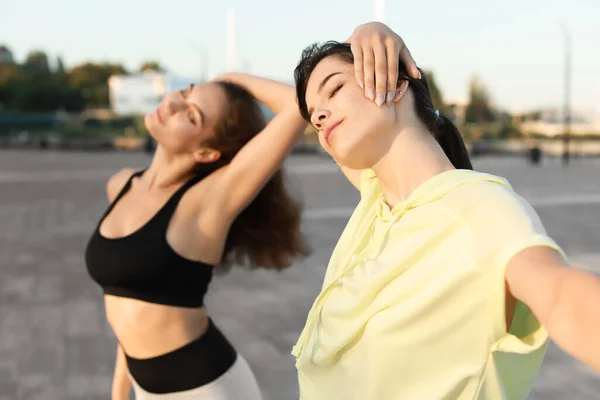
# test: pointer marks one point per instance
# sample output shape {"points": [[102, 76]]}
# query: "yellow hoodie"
{"points": [[412, 305]]}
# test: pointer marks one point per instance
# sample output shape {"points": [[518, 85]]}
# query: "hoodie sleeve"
{"points": [[503, 224]]}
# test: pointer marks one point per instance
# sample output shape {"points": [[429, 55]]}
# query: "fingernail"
{"points": [[390, 97], [419, 72], [361, 83], [370, 93], [380, 99]]}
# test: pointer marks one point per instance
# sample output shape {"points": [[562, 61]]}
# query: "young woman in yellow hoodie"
{"points": [[444, 284]]}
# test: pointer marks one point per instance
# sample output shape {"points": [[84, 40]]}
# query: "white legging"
{"points": [[238, 383]]}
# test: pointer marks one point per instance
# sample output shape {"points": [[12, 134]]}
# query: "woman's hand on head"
{"points": [[377, 49]]}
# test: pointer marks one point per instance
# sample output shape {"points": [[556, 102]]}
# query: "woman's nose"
{"points": [[319, 118], [172, 106]]}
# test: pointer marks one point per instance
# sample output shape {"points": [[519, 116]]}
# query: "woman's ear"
{"points": [[206, 155], [401, 90]]}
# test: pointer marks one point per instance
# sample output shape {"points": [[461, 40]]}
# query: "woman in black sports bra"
{"points": [[212, 196]]}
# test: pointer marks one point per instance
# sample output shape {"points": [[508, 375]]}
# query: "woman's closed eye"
{"points": [[190, 113], [336, 89], [191, 116]]}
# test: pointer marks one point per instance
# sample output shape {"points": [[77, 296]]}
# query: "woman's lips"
{"points": [[329, 130]]}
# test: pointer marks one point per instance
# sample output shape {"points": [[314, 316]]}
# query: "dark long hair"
{"points": [[266, 233], [440, 127]]}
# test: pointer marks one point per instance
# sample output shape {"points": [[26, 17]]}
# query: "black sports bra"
{"points": [[143, 265]]}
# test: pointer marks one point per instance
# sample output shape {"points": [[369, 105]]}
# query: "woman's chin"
{"points": [[351, 158], [147, 122], [340, 151], [153, 134], [150, 128]]}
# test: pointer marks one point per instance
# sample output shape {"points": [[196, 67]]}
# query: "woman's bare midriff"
{"points": [[147, 330]]}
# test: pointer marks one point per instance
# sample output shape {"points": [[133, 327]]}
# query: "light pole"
{"points": [[567, 98], [231, 48]]}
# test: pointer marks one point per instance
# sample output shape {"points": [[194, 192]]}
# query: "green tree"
{"points": [[151, 66], [479, 109], [60, 65], [6, 56], [32, 88], [37, 94], [91, 80], [12, 77], [69, 97], [436, 94], [37, 62]]}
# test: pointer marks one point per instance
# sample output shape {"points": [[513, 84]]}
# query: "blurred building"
{"points": [[141, 93], [550, 122]]}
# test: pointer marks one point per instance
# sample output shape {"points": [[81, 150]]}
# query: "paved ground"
{"points": [[56, 345]]}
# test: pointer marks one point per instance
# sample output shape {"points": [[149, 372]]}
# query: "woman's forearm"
{"points": [[275, 95], [575, 319]]}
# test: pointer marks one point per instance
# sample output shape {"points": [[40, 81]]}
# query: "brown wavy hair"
{"points": [[267, 233]]}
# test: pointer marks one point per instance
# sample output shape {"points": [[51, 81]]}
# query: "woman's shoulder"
{"points": [[116, 182], [471, 186], [497, 216], [490, 197]]}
